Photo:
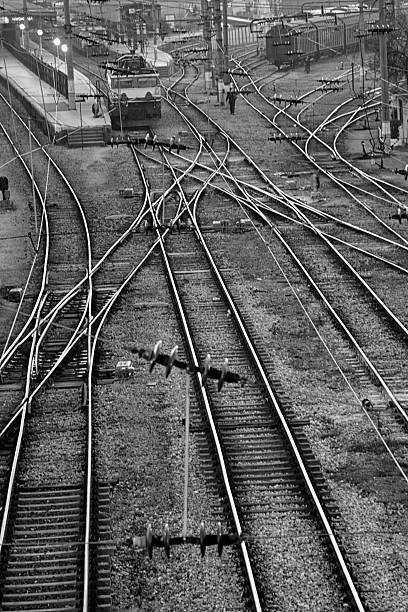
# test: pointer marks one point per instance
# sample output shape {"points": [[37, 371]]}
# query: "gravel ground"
{"points": [[139, 433]]}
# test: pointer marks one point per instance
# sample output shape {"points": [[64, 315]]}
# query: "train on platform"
{"points": [[309, 36], [134, 93]]}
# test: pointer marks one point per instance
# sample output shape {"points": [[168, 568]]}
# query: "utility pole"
{"points": [[69, 58], [219, 50], [25, 22], [207, 40], [385, 95], [225, 37], [155, 30], [362, 45]]}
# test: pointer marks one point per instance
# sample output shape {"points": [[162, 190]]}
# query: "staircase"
{"points": [[86, 137]]}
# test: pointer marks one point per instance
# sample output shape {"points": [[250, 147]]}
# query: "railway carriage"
{"points": [[312, 36], [134, 96]]}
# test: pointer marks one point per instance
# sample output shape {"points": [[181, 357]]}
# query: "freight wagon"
{"points": [[293, 40]]}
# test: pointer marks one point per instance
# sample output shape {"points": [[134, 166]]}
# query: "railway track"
{"points": [[224, 169], [40, 518], [203, 295], [323, 219]]}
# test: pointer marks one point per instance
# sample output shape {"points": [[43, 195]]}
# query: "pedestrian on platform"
{"points": [[146, 140], [406, 171], [111, 142], [171, 143], [231, 99], [117, 142], [178, 145], [96, 109], [154, 141]]}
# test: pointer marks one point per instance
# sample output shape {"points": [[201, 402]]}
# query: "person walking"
{"points": [[147, 137], [231, 99]]}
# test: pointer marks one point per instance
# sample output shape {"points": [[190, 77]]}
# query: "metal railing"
{"points": [[44, 71]]}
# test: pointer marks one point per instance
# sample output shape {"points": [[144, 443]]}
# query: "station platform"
{"points": [[49, 109]]}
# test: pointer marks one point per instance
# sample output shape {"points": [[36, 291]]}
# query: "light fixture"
{"points": [[22, 26], [64, 48], [57, 43], [40, 33]]}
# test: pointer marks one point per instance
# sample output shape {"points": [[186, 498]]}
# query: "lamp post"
{"points": [[40, 33], [64, 49], [22, 28], [57, 43]]}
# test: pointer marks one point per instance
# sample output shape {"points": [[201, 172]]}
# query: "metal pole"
{"points": [[225, 39], [32, 178], [186, 458], [25, 31], [385, 97], [219, 50], [87, 61], [155, 31], [207, 40], [82, 132], [162, 185], [362, 44], [120, 108], [69, 58]]}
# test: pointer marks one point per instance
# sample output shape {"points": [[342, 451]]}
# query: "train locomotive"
{"points": [[310, 36], [134, 96]]}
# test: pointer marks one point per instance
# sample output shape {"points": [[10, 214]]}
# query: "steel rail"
{"points": [[44, 220], [187, 334], [274, 401], [312, 134], [35, 343], [75, 290], [272, 396]]}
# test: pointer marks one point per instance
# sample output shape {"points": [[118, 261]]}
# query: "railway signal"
{"points": [[381, 29], [155, 356], [276, 137], [149, 541], [236, 73], [165, 540], [279, 100]]}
